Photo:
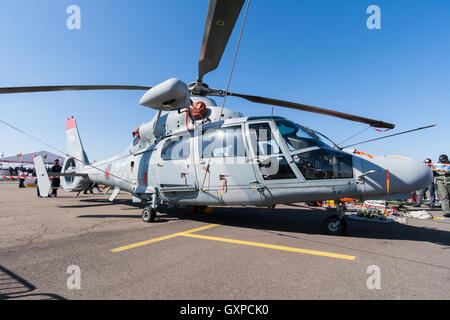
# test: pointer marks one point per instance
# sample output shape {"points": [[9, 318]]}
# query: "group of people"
{"points": [[22, 174], [440, 183]]}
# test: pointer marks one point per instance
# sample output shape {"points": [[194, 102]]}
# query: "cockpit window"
{"points": [[324, 164], [298, 137], [271, 161], [262, 139]]}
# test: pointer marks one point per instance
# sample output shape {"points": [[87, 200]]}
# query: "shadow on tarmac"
{"points": [[293, 218], [91, 202], [13, 286]]}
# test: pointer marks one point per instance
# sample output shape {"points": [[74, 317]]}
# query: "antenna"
{"points": [[391, 135]]}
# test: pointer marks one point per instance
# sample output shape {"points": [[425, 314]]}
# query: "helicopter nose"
{"points": [[398, 175], [410, 175]]}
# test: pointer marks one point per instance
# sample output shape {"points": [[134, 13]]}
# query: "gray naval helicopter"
{"points": [[195, 153]]}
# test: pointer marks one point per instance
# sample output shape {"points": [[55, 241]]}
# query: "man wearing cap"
{"points": [[442, 171]]}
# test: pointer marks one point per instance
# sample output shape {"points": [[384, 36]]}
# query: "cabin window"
{"points": [[176, 148], [225, 142], [324, 164]]}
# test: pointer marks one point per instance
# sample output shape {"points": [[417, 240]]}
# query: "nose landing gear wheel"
{"points": [[148, 214], [334, 226]]}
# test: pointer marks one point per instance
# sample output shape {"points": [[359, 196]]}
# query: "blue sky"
{"points": [[314, 52]]}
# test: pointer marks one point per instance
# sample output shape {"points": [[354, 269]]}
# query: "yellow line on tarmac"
{"points": [[270, 246], [170, 236]]}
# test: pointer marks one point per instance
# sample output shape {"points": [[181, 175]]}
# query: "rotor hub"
{"points": [[198, 88]]}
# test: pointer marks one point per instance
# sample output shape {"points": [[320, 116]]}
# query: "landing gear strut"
{"points": [[149, 212], [336, 225]]}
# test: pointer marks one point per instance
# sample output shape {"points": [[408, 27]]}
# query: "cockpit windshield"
{"points": [[298, 137]]}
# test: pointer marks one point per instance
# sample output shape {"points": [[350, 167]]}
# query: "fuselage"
{"points": [[257, 161]]}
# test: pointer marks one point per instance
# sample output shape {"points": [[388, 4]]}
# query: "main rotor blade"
{"points": [[304, 107], [69, 88], [220, 21], [391, 135]]}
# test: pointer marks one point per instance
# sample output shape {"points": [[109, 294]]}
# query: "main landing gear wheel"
{"points": [[148, 214], [335, 226]]}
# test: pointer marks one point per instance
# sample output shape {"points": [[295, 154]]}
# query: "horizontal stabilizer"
{"points": [[69, 174]]}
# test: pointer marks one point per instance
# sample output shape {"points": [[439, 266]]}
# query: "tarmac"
{"points": [[89, 248]]}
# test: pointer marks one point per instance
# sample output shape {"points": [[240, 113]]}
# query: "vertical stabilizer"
{"points": [[76, 158], [74, 146]]}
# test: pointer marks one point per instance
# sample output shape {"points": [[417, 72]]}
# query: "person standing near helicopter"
{"points": [[21, 178], [442, 171], [430, 188], [56, 182]]}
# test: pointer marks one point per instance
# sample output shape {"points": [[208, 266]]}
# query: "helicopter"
{"points": [[196, 153]]}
